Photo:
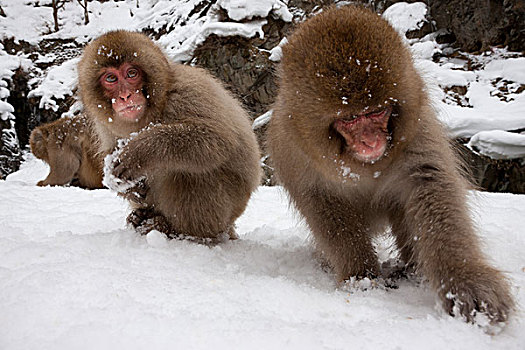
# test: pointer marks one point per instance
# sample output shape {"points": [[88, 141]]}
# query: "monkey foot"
{"points": [[393, 270], [144, 220]]}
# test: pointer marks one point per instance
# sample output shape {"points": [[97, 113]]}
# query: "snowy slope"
{"points": [[73, 276]]}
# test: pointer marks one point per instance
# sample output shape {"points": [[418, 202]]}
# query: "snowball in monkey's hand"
{"points": [[113, 182]]}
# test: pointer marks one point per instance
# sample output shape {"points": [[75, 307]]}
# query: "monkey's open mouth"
{"points": [[366, 135], [130, 111]]}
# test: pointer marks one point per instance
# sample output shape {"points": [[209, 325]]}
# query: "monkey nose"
{"points": [[125, 95]]}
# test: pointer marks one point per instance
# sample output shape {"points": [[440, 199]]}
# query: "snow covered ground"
{"points": [[73, 276]]}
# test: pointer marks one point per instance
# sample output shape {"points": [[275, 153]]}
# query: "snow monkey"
{"points": [[191, 161], [357, 145], [68, 146]]}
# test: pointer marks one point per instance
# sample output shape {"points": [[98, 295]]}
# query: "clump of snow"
{"points": [[241, 9], [6, 110], [512, 69], [157, 239], [277, 52], [8, 65], [58, 83], [110, 180], [404, 16], [262, 120], [181, 40], [499, 144], [486, 109], [425, 50]]}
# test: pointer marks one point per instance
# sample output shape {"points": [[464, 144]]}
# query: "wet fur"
{"points": [[415, 187]]}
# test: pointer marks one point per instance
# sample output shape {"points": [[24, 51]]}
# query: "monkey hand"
{"points": [[137, 193], [124, 172], [481, 296]]}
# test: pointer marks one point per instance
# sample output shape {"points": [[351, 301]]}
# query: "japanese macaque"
{"points": [[68, 146], [357, 145], [191, 161]]}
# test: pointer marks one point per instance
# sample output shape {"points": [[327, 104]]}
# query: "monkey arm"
{"points": [[446, 247], [185, 147]]}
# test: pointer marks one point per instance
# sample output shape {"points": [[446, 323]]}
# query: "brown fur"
{"points": [[198, 153], [415, 187], [68, 145]]}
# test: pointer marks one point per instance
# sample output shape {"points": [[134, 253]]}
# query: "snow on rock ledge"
{"points": [[404, 17], [241, 9], [248, 30], [58, 83], [499, 144]]}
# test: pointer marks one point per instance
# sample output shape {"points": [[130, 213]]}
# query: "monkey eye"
{"points": [[111, 78], [132, 73]]}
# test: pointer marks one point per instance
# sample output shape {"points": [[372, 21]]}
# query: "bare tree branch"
{"points": [[57, 5], [84, 4]]}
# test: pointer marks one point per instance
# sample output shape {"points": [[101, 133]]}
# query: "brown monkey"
{"points": [[68, 146], [192, 160], [357, 145]]}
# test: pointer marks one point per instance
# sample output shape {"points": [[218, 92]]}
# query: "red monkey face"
{"points": [[366, 135], [123, 85]]}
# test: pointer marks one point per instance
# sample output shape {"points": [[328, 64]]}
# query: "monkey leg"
{"points": [[403, 236], [195, 205], [447, 251], [64, 163], [342, 234]]}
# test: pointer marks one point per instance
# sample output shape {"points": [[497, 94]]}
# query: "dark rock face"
{"points": [[24, 122], [10, 155], [478, 24], [494, 175], [475, 24]]}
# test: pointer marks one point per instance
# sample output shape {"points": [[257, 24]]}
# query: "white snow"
{"points": [[499, 144], [73, 276], [185, 51], [404, 16], [262, 120], [58, 83], [485, 111], [512, 69], [277, 52], [241, 9]]}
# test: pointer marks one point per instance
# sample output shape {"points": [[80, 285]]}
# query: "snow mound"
{"points": [[404, 16], [241, 9], [499, 144]]}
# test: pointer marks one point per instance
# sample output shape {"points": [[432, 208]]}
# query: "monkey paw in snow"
{"points": [[123, 173], [481, 297]]}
